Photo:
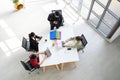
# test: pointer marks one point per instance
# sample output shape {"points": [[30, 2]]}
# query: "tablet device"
{"points": [[47, 52]]}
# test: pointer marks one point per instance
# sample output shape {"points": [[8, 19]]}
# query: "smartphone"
{"points": [[68, 48]]}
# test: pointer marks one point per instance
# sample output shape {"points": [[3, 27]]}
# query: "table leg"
{"points": [[74, 64], [43, 69], [57, 67], [62, 65]]}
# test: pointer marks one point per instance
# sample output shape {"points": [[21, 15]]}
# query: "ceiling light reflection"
{"points": [[10, 32], [8, 53], [3, 47], [3, 24], [13, 43]]}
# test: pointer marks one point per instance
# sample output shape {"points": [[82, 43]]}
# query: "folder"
{"points": [[55, 35]]}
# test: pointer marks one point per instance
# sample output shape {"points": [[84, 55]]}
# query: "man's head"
{"points": [[33, 56], [78, 38], [57, 14]]}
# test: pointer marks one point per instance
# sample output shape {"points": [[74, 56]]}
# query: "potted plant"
{"points": [[17, 4], [15, 1]]}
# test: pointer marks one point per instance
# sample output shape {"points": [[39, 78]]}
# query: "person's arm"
{"points": [[37, 38], [69, 39], [76, 44], [43, 60], [64, 42], [40, 53], [50, 17], [61, 18], [72, 46], [68, 45]]}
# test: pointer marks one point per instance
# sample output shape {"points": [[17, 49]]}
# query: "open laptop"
{"points": [[47, 52]]}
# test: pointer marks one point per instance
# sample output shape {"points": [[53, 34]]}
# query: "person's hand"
{"points": [[37, 40], [63, 43], [40, 37], [55, 22], [40, 52]]}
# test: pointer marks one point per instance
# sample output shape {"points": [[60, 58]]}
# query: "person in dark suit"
{"points": [[34, 41], [56, 20]]}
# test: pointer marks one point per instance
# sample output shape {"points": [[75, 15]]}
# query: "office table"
{"points": [[60, 55]]}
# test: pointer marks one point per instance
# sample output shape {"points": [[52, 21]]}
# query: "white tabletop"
{"points": [[59, 54]]}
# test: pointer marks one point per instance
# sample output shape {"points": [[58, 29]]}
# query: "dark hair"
{"points": [[78, 38], [57, 13], [32, 34], [33, 56]]}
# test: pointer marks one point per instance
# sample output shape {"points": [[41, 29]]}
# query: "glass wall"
{"points": [[103, 15], [115, 7], [94, 20]]}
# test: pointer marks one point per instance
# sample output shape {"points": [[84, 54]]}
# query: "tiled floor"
{"points": [[100, 61]]}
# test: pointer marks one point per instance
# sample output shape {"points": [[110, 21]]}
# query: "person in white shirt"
{"points": [[73, 42]]}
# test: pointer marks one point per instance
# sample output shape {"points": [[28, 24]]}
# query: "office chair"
{"points": [[26, 44], [28, 66], [60, 11], [84, 43]]}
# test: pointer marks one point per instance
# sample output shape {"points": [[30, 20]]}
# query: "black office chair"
{"points": [[26, 44], [28, 66], [84, 43], [60, 11]]}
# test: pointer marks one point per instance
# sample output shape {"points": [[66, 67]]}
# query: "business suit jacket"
{"points": [[52, 18], [33, 44]]}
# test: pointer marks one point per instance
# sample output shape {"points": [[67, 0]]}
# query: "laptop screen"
{"points": [[47, 52]]}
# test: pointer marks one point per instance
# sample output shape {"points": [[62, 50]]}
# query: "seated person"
{"points": [[34, 41], [34, 60], [73, 42], [56, 20]]}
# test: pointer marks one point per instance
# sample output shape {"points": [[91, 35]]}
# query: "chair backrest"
{"points": [[28, 46], [25, 44], [60, 11], [84, 41], [27, 65]]}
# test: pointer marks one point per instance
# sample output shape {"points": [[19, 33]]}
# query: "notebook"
{"points": [[47, 52]]}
